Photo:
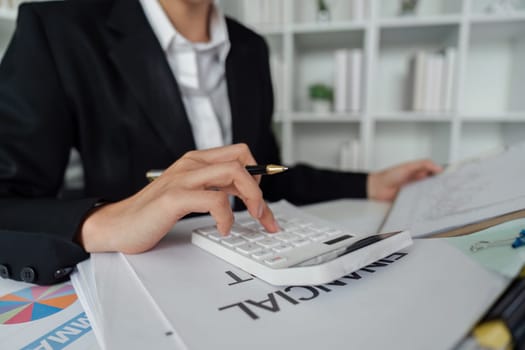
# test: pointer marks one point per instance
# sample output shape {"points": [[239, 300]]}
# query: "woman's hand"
{"points": [[199, 182], [385, 184]]}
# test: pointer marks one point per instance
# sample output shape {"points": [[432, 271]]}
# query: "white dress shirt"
{"points": [[199, 69]]}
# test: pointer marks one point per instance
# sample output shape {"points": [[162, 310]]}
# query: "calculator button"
{"points": [[305, 232], [241, 230], [255, 226], [298, 231], [245, 221], [282, 248], [268, 242], [286, 236], [275, 260], [262, 254], [318, 237], [216, 236], [233, 241], [248, 248], [207, 230], [280, 220], [287, 226], [253, 236], [271, 234], [301, 242]]}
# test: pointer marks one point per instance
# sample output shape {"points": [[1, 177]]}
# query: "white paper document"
{"points": [[178, 296], [472, 192], [501, 258], [122, 313]]}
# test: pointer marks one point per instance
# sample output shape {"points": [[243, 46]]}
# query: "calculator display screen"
{"points": [[337, 240]]}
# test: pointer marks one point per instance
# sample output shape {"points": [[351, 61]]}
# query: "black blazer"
{"points": [[92, 75]]}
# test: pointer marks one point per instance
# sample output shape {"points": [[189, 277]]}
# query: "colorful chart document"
{"points": [[43, 317]]}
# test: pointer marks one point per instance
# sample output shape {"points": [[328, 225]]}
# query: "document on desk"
{"points": [[43, 317], [413, 299], [502, 258], [471, 192]]}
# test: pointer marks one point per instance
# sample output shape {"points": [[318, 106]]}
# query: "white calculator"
{"points": [[307, 250]]}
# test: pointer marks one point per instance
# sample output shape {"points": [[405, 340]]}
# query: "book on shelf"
{"points": [[265, 12], [346, 10], [417, 69], [432, 80], [348, 66], [436, 88], [358, 10], [448, 78]]}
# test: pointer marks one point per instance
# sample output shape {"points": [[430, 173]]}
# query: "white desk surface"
{"points": [[356, 214]]}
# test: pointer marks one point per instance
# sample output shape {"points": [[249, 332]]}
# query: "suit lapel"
{"points": [[142, 63]]}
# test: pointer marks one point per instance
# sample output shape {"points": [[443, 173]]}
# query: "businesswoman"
{"points": [[135, 85]]}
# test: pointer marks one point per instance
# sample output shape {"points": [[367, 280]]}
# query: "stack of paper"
{"points": [[466, 193], [257, 12], [177, 296]]}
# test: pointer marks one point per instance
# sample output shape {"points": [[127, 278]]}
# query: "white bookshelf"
{"points": [[7, 26], [488, 108], [7, 15]]}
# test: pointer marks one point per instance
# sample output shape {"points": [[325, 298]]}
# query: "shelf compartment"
{"points": [[308, 117], [340, 11], [314, 61], [494, 70], [322, 143], [483, 8], [263, 17], [434, 34], [328, 27], [7, 28], [268, 30], [395, 143], [8, 15], [497, 18], [494, 118], [397, 46], [420, 117], [482, 137], [325, 40], [424, 8], [411, 22]]}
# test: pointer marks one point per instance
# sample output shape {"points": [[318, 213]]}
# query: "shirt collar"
{"points": [[167, 35]]}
